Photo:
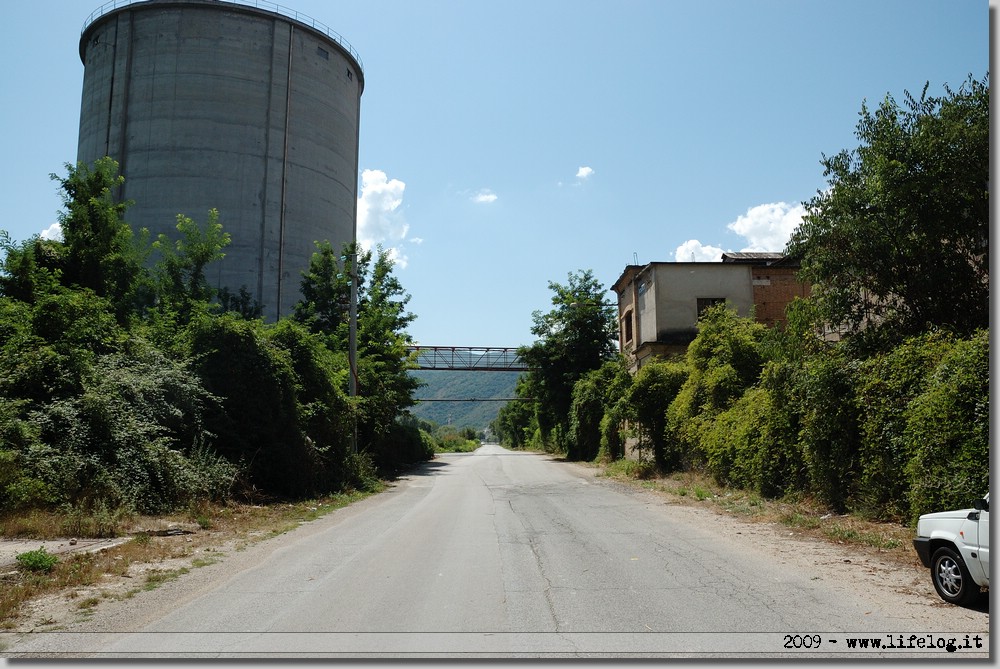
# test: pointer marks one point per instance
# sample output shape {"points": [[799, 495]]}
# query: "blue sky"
{"points": [[506, 144]]}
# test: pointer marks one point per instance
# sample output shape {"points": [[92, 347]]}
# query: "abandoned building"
{"points": [[659, 303]]}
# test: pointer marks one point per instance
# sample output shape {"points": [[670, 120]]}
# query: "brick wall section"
{"points": [[773, 289]]}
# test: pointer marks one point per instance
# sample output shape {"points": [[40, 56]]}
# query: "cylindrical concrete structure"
{"points": [[249, 109]]}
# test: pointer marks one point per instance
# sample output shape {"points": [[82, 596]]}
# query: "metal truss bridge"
{"points": [[469, 358]]}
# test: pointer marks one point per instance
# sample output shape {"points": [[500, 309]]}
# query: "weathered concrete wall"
{"points": [[216, 105], [679, 286]]}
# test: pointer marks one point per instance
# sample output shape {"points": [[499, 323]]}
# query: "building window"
{"points": [[706, 302], [627, 327], [323, 53]]}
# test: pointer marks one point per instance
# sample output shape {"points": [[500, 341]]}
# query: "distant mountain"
{"points": [[451, 385]]}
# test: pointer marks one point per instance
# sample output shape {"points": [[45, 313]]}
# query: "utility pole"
{"points": [[352, 345], [352, 336]]}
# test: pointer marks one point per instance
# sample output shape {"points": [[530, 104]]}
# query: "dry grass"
{"points": [[805, 516], [206, 526]]}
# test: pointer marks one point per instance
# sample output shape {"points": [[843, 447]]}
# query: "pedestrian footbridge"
{"points": [[469, 358]]}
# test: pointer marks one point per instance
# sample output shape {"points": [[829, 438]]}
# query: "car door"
{"points": [[984, 539]]}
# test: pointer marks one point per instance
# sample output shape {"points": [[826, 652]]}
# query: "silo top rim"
{"points": [[264, 5]]}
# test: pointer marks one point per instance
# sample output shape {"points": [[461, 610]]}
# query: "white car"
{"points": [[955, 545]]}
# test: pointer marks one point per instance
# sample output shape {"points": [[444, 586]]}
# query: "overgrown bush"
{"points": [[828, 434], [322, 409], [516, 421], [450, 439], [723, 361], [134, 437], [948, 427], [47, 349], [655, 386], [593, 395], [405, 444], [751, 446], [887, 384], [255, 423]]}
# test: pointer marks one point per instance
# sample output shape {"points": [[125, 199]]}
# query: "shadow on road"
{"points": [[428, 468]]}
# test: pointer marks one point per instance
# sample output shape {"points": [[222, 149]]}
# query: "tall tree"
{"points": [[101, 252], [182, 284], [515, 422], [30, 269], [326, 290], [384, 359], [900, 239], [575, 337], [385, 387]]}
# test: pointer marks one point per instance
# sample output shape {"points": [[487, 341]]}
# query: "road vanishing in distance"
{"points": [[501, 553]]}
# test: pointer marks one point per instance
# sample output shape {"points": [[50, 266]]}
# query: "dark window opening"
{"points": [[707, 302], [323, 53]]}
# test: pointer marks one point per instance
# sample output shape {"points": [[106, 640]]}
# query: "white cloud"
{"points": [[584, 173], [768, 227], [380, 220], [53, 232], [485, 196], [694, 251]]}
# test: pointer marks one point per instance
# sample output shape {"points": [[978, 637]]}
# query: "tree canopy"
{"points": [[899, 241], [577, 336], [385, 386], [143, 387]]}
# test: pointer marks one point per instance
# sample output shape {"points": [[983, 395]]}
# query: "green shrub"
{"points": [[948, 426], [751, 446], [829, 426], [361, 472], [255, 424], [633, 469], [323, 412], [585, 412], [888, 383], [654, 387], [39, 560], [27, 493], [723, 361], [128, 437], [404, 445]]}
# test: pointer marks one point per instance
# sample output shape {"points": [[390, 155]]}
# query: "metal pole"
{"points": [[352, 347]]}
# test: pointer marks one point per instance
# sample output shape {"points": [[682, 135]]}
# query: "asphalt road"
{"points": [[508, 554]]}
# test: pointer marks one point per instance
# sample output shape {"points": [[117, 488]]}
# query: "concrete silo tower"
{"points": [[251, 110]]}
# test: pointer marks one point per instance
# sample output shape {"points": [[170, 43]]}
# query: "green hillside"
{"points": [[452, 385]]}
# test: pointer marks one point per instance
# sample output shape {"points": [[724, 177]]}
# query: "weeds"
{"points": [[40, 560], [850, 535], [630, 469], [241, 524], [158, 577], [801, 513], [203, 562], [88, 603]]}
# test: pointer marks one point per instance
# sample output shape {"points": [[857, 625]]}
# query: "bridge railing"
{"points": [[469, 358]]}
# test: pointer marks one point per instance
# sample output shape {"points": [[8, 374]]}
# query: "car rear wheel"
{"points": [[951, 577]]}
